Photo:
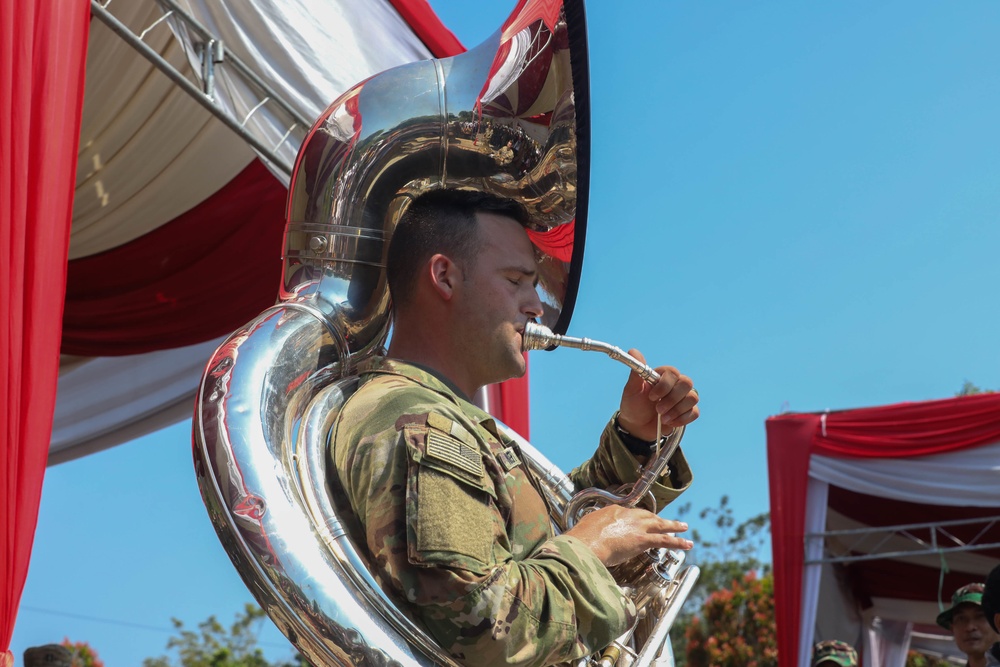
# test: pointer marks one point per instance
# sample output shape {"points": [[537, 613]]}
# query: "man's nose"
{"points": [[533, 308]]}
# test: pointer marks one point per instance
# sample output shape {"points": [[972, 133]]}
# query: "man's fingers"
{"points": [[616, 534], [670, 525], [672, 542], [672, 414], [683, 419], [668, 379], [666, 537]]}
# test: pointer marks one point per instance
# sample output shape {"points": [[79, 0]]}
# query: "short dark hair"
{"points": [[440, 221], [991, 597]]}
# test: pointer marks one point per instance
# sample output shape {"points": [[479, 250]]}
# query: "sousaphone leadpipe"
{"points": [[654, 580], [539, 337]]}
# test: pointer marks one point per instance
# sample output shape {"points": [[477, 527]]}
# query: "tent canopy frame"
{"points": [[212, 53], [941, 541]]}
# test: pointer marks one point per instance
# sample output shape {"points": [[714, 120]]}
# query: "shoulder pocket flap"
{"points": [[452, 457]]}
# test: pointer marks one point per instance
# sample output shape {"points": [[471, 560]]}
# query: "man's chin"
{"points": [[974, 646], [516, 369]]}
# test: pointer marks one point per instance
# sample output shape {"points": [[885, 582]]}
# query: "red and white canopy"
{"points": [[933, 462]]}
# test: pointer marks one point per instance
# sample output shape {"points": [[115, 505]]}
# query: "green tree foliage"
{"points": [[969, 389], [725, 558], [83, 655], [914, 659], [736, 627], [214, 645], [735, 550]]}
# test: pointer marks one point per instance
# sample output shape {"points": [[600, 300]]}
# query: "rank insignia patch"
{"points": [[508, 459]]}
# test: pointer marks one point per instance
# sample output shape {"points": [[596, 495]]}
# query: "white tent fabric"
{"points": [[148, 153], [272, 35], [816, 499], [887, 643], [967, 477], [107, 401]]}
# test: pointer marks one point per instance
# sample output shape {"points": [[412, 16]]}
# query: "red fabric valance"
{"points": [[43, 47], [910, 429], [165, 289]]}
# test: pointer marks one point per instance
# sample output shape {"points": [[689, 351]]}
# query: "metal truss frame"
{"points": [[212, 53], [863, 544]]}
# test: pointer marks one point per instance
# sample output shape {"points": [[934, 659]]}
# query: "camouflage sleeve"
{"points": [[613, 465], [440, 542]]}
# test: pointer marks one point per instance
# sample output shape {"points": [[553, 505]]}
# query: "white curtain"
{"points": [[107, 401], [887, 643], [816, 501]]}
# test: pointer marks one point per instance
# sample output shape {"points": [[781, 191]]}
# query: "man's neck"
{"points": [[455, 389], [428, 357]]}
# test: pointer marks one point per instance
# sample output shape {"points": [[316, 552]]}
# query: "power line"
{"points": [[125, 624], [97, 619]]}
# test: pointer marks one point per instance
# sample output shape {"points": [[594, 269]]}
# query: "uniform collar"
{"points": [[423, 375], [431, 379]]}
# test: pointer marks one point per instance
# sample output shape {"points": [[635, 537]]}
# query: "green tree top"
{"points": [[214, 645]]}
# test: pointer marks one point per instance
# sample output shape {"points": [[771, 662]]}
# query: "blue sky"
{"points": [[794, 203]]}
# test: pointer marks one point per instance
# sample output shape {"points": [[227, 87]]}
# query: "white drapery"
{"points": [[968, 477]]}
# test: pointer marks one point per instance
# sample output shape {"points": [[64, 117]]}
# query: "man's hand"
{"points": [[617, 534], [673, 399]]}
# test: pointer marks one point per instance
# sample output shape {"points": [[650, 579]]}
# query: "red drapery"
{"points": [[892, 431], [556, 242], [162, 289], [428, 27], [42, 54]]}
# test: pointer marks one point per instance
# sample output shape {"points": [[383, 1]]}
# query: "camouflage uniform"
{"points": [[453, 524]]}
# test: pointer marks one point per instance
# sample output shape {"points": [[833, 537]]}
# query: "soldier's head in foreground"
{"points": [[833, 653]]}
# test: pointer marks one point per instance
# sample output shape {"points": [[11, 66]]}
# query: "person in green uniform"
{"points": [[967, 622], [445, 506]]}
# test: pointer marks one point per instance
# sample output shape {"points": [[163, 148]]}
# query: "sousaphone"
{"points": [[509, 117]]}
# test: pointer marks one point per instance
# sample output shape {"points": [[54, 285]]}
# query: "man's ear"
{"points": [[444, 275]]}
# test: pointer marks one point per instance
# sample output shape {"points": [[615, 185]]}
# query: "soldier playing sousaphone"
{"points": [[447, 508], [447, 511]]}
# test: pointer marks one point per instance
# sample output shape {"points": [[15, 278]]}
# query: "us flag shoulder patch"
{"points": [[458, 454]]}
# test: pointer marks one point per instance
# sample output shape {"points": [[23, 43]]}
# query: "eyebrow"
{"points": [[523, 271]]}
